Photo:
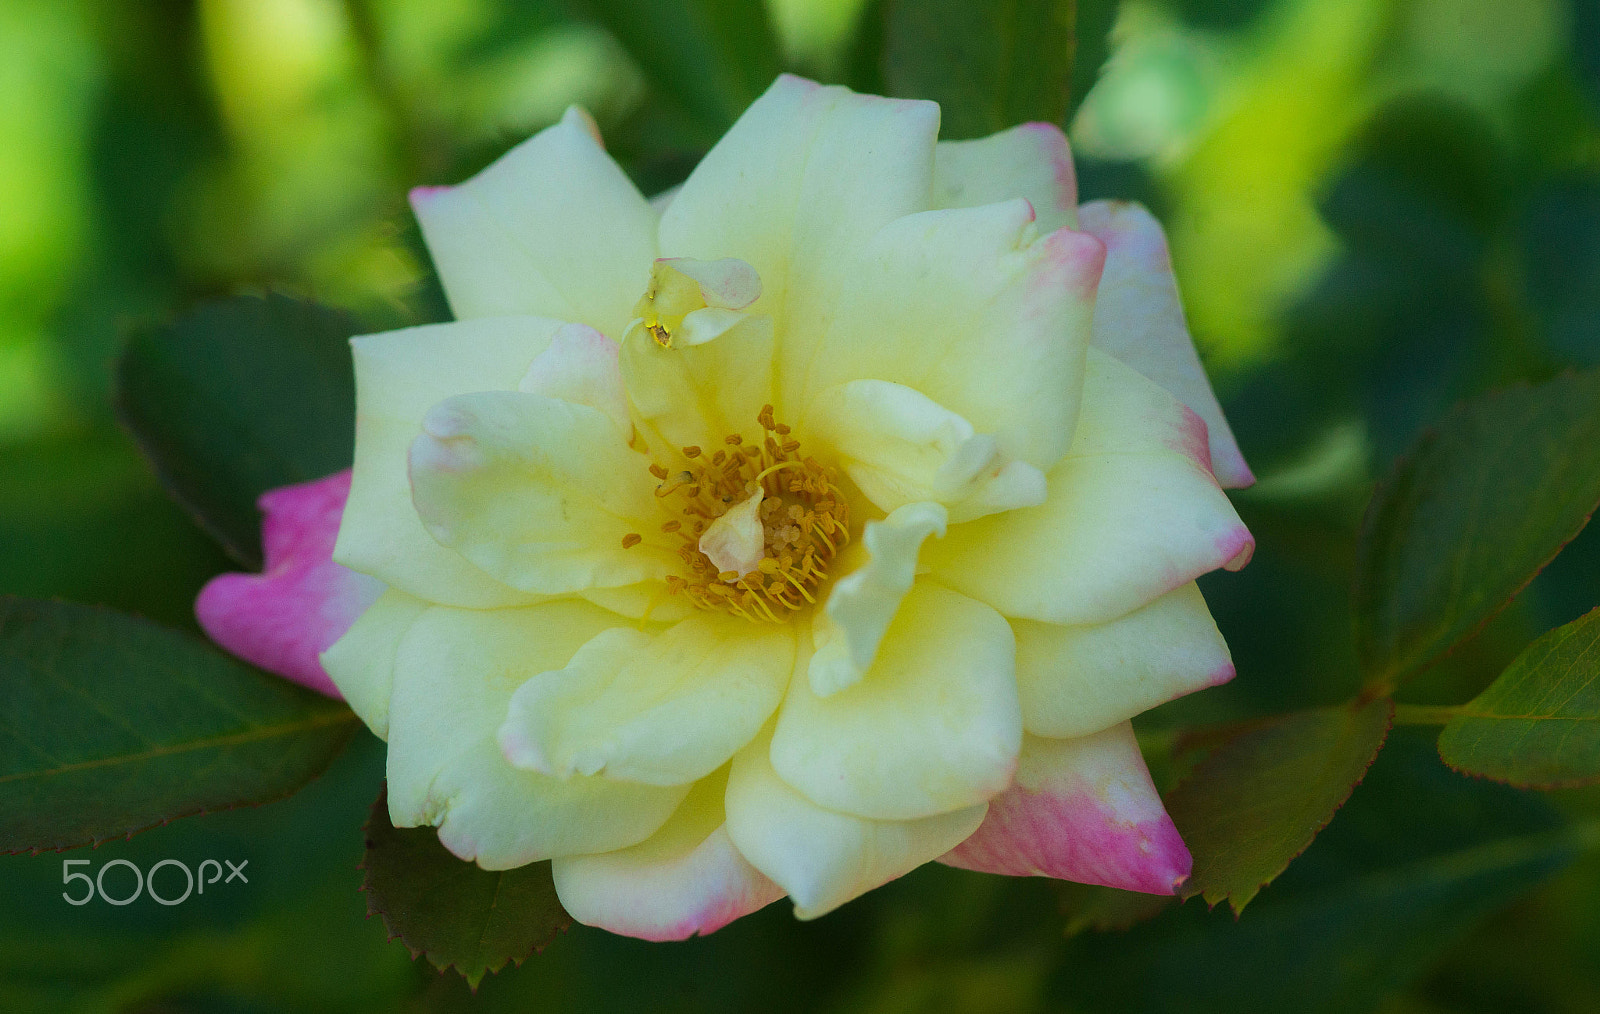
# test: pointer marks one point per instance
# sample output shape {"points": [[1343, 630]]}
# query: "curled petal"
{"points": [[862, 604], [933, 726], [1083, 810], [552, 229], [978, 311], [400, 375], [819, 857], [302, 602], [685, 879], [665, 710], [454, 675], [580, 366], [901, 447], [1139, 319], [538, 492]]}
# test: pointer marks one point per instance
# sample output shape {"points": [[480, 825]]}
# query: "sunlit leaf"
{"points": [[1470, 515], [110, 724], [236, 398], [1538, 725], [989, 65], [1257, 800], [458, 915]]}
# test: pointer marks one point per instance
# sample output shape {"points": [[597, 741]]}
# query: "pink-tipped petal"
{"points": [[685, 880], [1031, 161], [1083, 810], [580, 366], [302, 602], [1139, 319]]}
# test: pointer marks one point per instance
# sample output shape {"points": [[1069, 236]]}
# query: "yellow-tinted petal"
{"points": [[553, 228], [1133, 512], [796, 188], [538, 492], [400, 375], [819, 857], [934, 725], [361, 663], [1076, 680], [978, 311], [849, 628], [665, 709], [1031, 161], [454, 676]]}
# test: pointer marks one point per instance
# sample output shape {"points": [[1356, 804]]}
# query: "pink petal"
{"points": [[1084, 810], [281, 619], [1139, 319]]}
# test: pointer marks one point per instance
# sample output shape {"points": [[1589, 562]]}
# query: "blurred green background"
{"points": [[1377, 208]]}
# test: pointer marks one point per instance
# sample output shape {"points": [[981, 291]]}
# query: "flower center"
{"points": [[760, 524]]}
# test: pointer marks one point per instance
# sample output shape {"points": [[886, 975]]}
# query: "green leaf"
{"points": [[990, 65], [1538, 725], [236, 398], [713, 57], [1258, 799], [1470, 515], [110, 724], [1106, 909], [1416, 859], [460, 916]]}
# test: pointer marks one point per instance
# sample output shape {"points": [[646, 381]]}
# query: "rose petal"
{"points": [[685, 879], [399, 377], [849, 629], [454, 675], [1030, 161], [1139, 319], [1133, 512], [538, 492], [901, 447], [821, 858], [1083, 810], [302, 602], [665, 709], [361, 663], [1075, 680], [934, 725], [580, 366], [977, 311], [553, 229], [795, 188]]}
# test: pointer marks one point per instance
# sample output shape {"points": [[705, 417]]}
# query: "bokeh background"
{"points": [[1376, 207]]}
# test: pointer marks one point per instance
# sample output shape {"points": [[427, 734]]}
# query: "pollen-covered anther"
{"points": [[759, 522]]}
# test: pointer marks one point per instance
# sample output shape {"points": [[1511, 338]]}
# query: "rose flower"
{"points": [[831, 514]]}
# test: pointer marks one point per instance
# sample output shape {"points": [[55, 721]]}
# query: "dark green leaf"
{"points": [[1538, 725], [713, 57], [1105, 909], [239, 397], [110, 724], [460, 916], [1470, 515], [1414, 861], [990, 65], [1259, 798]]}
